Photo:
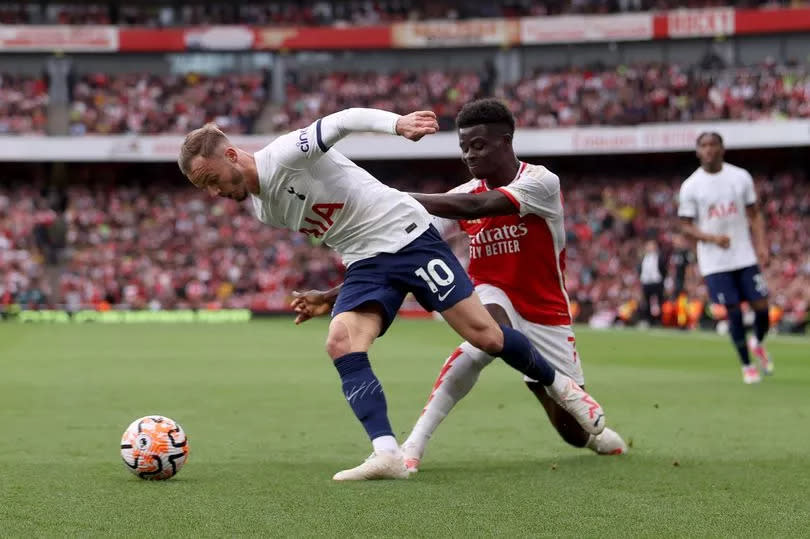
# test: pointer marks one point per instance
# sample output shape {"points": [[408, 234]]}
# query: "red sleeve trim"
{"points": [[510, 196]]}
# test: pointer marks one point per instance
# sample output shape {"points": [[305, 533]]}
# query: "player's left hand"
{"points": [[309, 305], [417, 124]]}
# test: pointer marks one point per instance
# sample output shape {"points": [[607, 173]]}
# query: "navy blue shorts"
{"points": [[425, 267], [734, 287]]}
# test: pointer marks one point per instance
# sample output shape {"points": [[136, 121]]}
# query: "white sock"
{"points": [[456, 379], [385, 443], [606, 443]]}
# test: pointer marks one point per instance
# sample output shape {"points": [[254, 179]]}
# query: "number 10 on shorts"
{"points": [[436, 273]]}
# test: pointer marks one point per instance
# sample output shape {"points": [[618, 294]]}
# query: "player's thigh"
{"points": [[471, 320], [723, 288], [499, 306], [558, 345], [355, 330], [753, 287]]}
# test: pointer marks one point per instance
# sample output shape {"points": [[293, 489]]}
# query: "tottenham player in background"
{"points": [[389, 247], [716, 204]]}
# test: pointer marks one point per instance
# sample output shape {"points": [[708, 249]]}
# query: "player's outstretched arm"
{"points": [[313, 303], [467, 205], [412, 126], [690, 230]]}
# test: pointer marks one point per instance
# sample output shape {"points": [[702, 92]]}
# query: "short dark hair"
{"points": [[485, 111], [714, 134], [203, 141]]}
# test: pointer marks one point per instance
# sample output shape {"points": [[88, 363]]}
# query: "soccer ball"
{"points": [[154, 447]]}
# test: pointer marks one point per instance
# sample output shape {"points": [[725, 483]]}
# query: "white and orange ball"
{"points": [[154, 447]]}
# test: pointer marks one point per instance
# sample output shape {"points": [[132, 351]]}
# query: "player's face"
{"points": [[709, 150], [220, 176], [484, 149]]}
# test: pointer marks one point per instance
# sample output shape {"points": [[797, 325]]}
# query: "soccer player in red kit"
{"points": [[512, 213]]}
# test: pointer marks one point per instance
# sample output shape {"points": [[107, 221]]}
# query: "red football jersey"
{"points": [[523, 254]]}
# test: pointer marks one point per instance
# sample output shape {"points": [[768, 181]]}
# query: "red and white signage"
{"points": [[495, 32], [700, 23], [572, 29], [32, 38], [471, 33]]}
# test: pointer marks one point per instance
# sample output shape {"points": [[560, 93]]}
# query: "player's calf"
{"points": [[565, 424]]}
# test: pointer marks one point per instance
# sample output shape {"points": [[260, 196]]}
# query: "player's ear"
{"points": [[231, 154]]}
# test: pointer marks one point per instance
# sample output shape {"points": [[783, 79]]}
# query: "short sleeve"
{"points": [[299, 149], [535, 192], [749, 193], [687, 205]]}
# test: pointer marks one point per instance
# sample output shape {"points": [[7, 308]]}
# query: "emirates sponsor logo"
{"points": [[501, 233], [504, 239]]}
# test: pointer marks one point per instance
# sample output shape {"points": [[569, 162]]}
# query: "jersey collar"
{"points": [[521, 168]]}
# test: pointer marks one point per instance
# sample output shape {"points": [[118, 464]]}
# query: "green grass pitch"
{"points": [[268, 427]]}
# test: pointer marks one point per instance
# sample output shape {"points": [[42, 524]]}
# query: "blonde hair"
{"points": [[203, 141]]}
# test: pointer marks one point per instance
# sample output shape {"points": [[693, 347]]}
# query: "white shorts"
{"points": [[555, 343]]}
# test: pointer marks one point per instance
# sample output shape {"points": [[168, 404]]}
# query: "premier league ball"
{"points": [[154, 447]]}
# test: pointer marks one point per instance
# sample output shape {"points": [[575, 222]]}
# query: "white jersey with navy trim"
{"points": [[306, 186], [717, 204]]}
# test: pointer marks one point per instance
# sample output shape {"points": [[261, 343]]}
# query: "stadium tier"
{"points": [[125, 242]]}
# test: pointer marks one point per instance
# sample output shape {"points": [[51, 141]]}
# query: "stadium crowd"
{"points": [[146, 246], [144, 103], [23, 104], [327, 12], [626, 95]]}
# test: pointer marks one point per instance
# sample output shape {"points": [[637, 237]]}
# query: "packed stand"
{"points": [[157, 248], [149, 104], [23, 104], [626, 95], [146, 246], [26, 224], [327, 12]]}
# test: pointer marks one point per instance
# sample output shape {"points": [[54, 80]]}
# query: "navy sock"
{"points": [[737, 331], [762, 323], [519, 354], [364, 393]]}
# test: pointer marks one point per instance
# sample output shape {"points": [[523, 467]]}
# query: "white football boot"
{"points": [[412, 458], [578, 403], [758, 350], [607, 443], [751, 374], [382, 465]]}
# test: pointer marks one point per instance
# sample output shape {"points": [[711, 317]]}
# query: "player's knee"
{"points": [[478, 357], [338, 340], [489, 340]]}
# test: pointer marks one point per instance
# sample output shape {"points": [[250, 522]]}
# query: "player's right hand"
{"points": [[309, 304], [722, 241], [417, 124]]}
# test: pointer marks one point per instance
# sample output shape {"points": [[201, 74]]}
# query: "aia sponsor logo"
{"points": [[723, 210]]}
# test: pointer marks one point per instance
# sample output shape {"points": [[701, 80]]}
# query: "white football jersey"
{"points": [[717, 203], [308, 187]]}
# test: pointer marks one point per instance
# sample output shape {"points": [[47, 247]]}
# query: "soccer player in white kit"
{"points": [[389, 246], [512, 213], [716, 204]]}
